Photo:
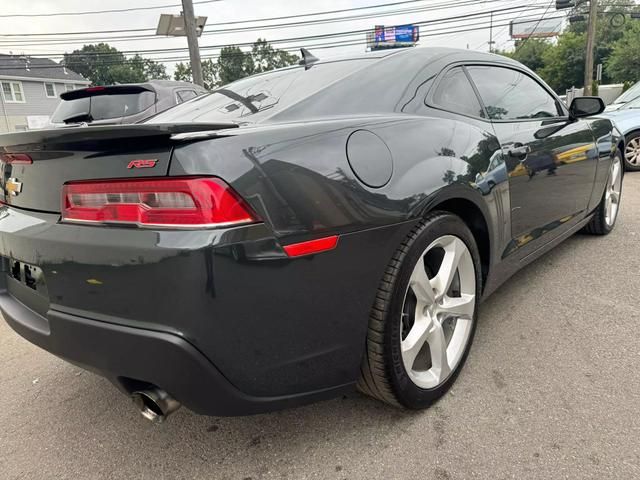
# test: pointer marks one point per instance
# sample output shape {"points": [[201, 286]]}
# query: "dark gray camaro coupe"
{"points": [[299, 232]]}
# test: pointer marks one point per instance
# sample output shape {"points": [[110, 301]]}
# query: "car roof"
{"points": [[418, 56], [426, 53]]}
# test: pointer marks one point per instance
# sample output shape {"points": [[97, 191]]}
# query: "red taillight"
{"points": [[181, 202], [94, 89], [311, 247], [16, 158]]}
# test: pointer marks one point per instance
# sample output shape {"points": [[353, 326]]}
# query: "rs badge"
{"points": [[142, 163]]}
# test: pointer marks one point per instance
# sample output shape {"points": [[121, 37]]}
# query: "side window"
{"points": [[455, 93], [184, 95], [508, 94]]}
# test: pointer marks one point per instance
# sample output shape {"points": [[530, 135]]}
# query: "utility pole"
{"points": [[591, 38], [192, 39]]}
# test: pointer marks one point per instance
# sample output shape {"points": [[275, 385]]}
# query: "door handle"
{"points": [[518, 151]]}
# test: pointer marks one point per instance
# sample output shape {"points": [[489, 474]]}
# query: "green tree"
{"points": [[95, 62], [266, 58], [234, 64], [564, 63], [623, 65], [147, 68], [105, 65], [182, 73], [209, 73], [608, 33], [530, 52]]}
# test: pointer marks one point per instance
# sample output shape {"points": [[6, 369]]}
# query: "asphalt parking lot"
{"points": [[551, 390]]}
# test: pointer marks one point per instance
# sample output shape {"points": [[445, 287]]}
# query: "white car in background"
{"points": [[625, 113]]}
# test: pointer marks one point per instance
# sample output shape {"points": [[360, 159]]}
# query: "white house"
{"points": [[30, 89]]}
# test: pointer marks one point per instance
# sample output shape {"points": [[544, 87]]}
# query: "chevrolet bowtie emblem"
{"points": [[13, 186]]}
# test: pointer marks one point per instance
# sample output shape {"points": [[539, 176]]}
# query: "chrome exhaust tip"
{"points": [[155, 404]]}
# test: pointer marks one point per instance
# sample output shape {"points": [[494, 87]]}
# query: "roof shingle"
{"points": [[16, 66]]}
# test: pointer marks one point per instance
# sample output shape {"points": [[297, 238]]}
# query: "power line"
{"points": [[295, 39], [536, 26], [343, 43], [300, 15], [227, 23], [438, 6], [96, 12], [506, 29], [75, 33], [253, 27], [256, 28], [486, 42], [445, 31], [286, 17]]}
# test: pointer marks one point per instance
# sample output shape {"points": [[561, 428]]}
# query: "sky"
{"points": [[224, 11]]}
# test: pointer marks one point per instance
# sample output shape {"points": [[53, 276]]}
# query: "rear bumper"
{"points": [[221, 319], [123, 354]]}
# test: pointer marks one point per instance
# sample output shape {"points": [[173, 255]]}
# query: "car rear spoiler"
{"points": [[152, 134], [110, 90]]}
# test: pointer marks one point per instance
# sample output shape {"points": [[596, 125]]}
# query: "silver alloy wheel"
{"points": [[612, 194], [632, 152], [438, 312]]}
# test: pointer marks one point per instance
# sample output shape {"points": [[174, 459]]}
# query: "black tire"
{"points": [[598, 224], [383, 375], [630, 167]]}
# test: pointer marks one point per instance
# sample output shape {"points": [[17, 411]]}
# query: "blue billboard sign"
{"points": [[398, 36]]}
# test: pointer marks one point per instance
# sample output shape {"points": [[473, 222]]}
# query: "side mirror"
{"points": [[585, 107]]}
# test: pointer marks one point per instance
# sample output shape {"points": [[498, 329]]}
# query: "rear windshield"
{"points": [[103, 107], [248, 98]]}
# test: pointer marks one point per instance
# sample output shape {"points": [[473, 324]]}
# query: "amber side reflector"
{"points": [[312, 246]]}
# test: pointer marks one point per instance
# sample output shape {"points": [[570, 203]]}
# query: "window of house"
{"points": [[50, 90], [12, 92], [68, 87]]}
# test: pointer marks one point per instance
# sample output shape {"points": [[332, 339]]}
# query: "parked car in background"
{"points": [[121, 104], [301, 231], [608, 93], [625, 113], [632, 93]]}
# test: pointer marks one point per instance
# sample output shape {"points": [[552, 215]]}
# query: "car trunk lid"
{"points": [[35, 165]]}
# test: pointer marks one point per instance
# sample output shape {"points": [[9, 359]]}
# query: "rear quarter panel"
{"points": [[299, 180]]}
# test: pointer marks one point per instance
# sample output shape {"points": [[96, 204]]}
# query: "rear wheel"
{"points": [[606, 214], [632, 152], [424, 317]]}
